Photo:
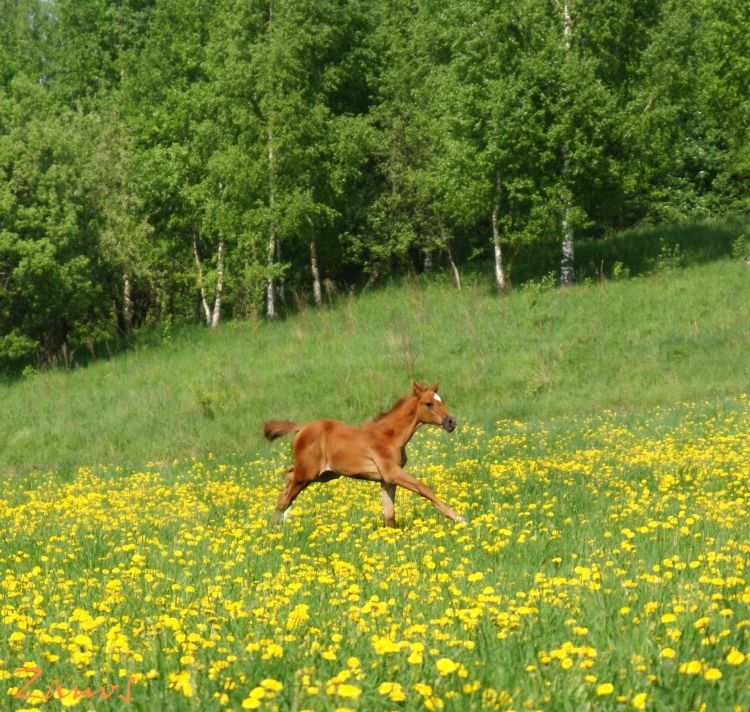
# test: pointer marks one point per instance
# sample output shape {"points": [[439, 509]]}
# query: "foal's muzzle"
{"points": [[449, 423]]}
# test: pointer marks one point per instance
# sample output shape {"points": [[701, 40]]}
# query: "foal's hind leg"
{"points": [[295, 482], [288, 480], [388, 498], [288, 496]]}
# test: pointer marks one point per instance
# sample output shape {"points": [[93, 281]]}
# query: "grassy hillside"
{"points": [[602, 565], [682, 334]]}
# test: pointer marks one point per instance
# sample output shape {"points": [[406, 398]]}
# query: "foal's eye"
{"points": [[429, 405]]}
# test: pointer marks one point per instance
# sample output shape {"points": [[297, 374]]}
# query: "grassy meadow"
{"points": [[601, 461], [678, 335]]}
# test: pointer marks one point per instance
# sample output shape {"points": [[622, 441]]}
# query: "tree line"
{"points": [[195, 159]]}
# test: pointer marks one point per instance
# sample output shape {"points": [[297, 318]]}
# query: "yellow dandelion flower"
{"points": [[393, 690], [274, 650], [348, 691], [691, 668], [606, 688], [181, 682], [712, 674], [415, 658], [69, 698], [28, 669], [446, 666], [273, 685], [257, 693], [735, 657], [423, 689], [639, 701]]}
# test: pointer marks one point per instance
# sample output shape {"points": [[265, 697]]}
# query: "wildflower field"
{"points": [[603, 566]]}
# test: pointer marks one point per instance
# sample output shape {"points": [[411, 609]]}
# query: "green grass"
{"points": [[601, 463], [679, 335]]}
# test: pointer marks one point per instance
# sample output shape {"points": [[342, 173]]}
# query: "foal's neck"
{"points": [[402, 421]]}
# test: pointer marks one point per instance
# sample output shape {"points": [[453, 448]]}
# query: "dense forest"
{"points": [[192, 159]]}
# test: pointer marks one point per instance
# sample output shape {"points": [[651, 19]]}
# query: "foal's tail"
{"points": [[273, 429]]}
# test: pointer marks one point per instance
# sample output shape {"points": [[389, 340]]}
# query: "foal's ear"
{"points": [[416, 388], [436, 386]]}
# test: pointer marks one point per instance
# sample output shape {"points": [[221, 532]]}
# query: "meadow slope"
{"points": [[680, 335], [601, 462]]}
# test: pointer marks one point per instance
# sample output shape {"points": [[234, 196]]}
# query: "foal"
{"points": [[327, 449]]}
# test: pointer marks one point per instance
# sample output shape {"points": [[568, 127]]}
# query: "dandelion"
{"points": [[68, 698], [272, 685], [348, 691], [393, 691], [423, 689], [712, 674], [692, 667], [606, 688], [181, 682], [735, 657], [446, 666]]}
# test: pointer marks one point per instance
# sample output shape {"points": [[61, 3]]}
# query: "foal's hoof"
{"points": [[278, 519], [460, 520]]}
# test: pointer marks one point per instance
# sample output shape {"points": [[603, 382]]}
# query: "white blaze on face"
{"points": [[438, 398]]}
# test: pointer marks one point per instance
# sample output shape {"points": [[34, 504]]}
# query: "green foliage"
{"points": [[212, 401], [741, 247], [151, 148]]}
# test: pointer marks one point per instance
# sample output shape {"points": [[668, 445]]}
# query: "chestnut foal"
{"points": [[327, 449]]}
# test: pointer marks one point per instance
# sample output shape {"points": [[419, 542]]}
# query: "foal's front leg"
{"points": [[394, 475]]}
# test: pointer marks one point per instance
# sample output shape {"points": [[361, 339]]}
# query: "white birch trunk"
{"points": [[127, 306], [567, 260], [567, 25], [456, 273], [216, 315], [280, 293], [272, 236], [272, 232], [201, 288], [499, 270], [317, 293], [454, 269]]}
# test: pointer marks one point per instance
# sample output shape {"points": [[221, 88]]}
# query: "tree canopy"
{"points": [[189, 159]]}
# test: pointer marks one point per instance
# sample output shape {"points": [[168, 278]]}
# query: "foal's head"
{"points": [[430, 408]]}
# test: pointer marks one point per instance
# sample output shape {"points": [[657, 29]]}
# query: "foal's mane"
{"points": [[396, 405]]}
